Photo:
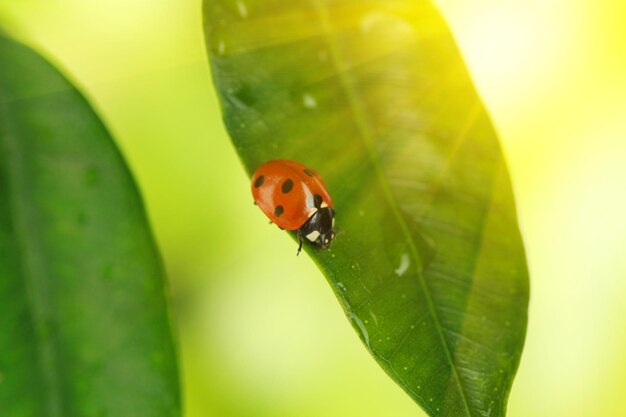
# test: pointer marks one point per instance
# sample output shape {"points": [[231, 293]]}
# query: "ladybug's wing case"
{"points": [[281, 194], [316, 186], [313, 181]]}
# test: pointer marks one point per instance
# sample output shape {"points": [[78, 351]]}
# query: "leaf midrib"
{"points": [[31, 263], [366, 136]]}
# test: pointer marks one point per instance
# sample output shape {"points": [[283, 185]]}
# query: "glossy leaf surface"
{"points": [[428, 262], [84, 329]]}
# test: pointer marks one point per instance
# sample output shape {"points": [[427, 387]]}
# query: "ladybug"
{"points": [[294, 197]]}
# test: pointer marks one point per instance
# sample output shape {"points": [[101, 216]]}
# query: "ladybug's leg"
{"points": [[299, 234]]}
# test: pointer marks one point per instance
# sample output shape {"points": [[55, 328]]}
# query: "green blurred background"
{"points": [[260, 332]]}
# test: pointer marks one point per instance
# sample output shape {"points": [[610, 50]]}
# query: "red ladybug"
{"points": [[294, 197]]}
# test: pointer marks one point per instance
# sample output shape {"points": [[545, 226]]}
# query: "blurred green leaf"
{"points": [[428, 263], [84, 329]]}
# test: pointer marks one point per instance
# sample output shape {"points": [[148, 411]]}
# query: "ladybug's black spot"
{"points": [[278, 211], [287, 186], [259, 181], [309, 172], [317, 200]]}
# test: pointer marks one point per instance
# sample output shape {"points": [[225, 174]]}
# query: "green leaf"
{"points": [[84, 328], [428, 262]]}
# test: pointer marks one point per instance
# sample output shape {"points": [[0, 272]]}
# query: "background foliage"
{"points": [[85, 328], [552, 74]]}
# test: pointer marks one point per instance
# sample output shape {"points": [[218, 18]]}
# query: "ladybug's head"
{"points": [[319, 229]]}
